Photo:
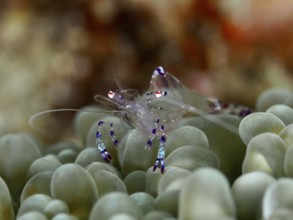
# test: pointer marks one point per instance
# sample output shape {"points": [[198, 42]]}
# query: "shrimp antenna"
{"points": [[105, 101], [117, 80], [33, 118]]}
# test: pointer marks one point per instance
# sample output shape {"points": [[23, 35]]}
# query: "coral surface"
{"points": [[210, 172]]}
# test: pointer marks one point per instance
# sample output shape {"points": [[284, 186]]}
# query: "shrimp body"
{"points": [[157, 112]]}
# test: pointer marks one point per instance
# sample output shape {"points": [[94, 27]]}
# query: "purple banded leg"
{"points": [[216, 106], [161, 152], [113, 137], [244, 112], [233, 109], [101, 145], [150, 142], [102, 148], [161, 155], [153, 135]]}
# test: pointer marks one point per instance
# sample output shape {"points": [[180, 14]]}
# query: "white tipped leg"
{"points": [[101, 145], [161, 155]]}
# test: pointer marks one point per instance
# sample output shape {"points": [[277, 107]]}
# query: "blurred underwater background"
{"points": [[59, 54]]}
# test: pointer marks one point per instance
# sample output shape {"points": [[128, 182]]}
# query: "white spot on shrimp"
{"points": [[111, 94]]}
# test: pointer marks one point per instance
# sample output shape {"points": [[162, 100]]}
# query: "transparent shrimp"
{"points": [[157, 112]]}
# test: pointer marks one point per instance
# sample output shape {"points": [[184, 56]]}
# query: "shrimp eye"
{"points": [[158, 93], [111, 94]]}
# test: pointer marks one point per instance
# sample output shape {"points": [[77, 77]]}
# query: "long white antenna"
{"points": [[37, 115]]}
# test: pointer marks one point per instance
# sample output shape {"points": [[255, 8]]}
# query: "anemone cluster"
{"points": [[210, 173]]}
